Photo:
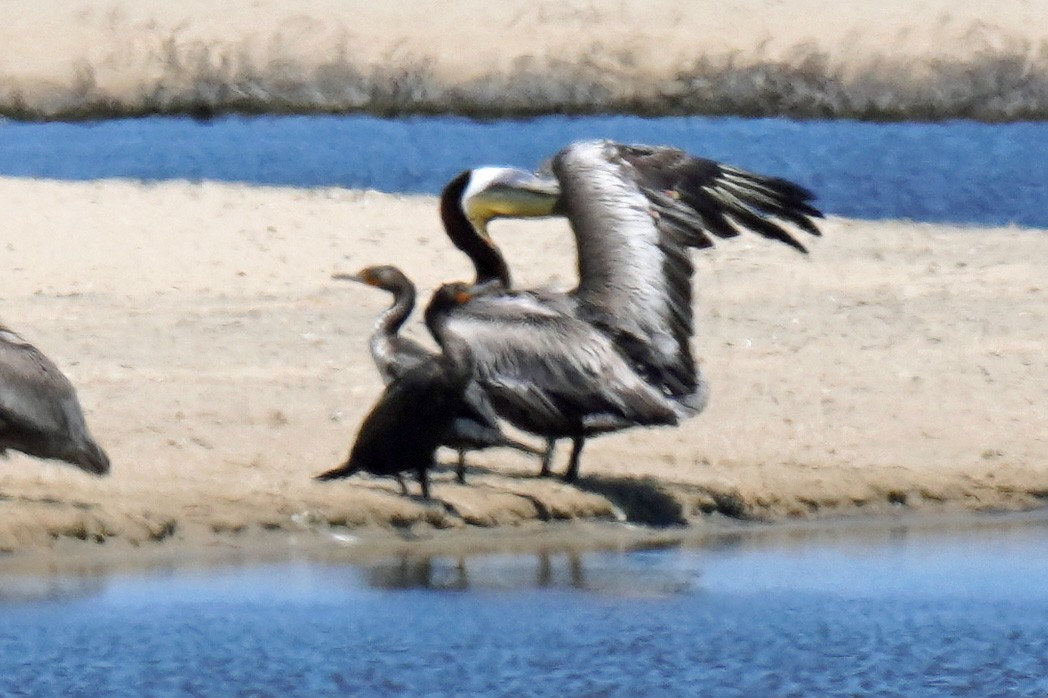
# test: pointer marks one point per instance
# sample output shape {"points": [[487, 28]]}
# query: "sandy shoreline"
{"points": [[898, 368], [804, 58]]}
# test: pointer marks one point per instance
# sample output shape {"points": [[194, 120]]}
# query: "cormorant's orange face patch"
{"points": [[462, 297], [368, 277]]}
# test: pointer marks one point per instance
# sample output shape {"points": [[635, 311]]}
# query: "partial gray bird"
{"points": [[635, 210], [39, 411]]}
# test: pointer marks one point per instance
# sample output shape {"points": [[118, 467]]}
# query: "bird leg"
{"points": [[423, 480], [572, 473], [403, 485], [547, 457], [460, 472]]}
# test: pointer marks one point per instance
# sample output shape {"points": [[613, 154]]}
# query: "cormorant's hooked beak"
{"points": [[351, 277], [508, 192]]}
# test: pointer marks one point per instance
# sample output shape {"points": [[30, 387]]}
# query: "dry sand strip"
{"points": [[891, 59], [899, 367]]}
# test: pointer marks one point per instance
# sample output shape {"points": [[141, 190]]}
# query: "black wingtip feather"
{"points": [[766, 228]]}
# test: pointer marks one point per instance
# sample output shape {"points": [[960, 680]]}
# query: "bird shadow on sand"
{"points": [[642, 500], [652, 502]]}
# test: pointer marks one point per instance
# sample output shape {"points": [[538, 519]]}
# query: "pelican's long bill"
{"points": [[497, 192]]}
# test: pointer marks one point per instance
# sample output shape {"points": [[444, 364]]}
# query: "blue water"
{"points": [[898, 613], [960, 172]]}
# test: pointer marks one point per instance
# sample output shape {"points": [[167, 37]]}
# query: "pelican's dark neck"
{"points": [[487, 260]]}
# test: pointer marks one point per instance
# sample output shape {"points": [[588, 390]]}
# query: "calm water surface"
{"points": [[890, 613], [960, 172]]}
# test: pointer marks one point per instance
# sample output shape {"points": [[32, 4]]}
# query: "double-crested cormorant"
{"points": [[634, 211], [407, 425], [476, 426], [39, 412]]}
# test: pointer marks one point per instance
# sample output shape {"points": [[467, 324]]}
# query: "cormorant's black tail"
{"points": [[344, 470]]}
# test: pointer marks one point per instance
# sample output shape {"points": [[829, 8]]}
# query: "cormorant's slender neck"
{"points": [[487, 260], [387, 324], [392, 318], [453, 347]]}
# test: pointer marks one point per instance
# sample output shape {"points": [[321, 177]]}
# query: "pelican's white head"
{"points": [[507, 192]]}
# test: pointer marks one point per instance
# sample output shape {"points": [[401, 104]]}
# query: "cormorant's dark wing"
{"points": [[635, 210], [406, 355], [407, 423]]}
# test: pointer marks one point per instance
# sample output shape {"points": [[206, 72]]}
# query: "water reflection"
{"points": [[16, 590], [633, 573], [817, 619], [971, 551]]}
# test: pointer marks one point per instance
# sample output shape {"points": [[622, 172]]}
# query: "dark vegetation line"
{"points": [[1010, 85]]}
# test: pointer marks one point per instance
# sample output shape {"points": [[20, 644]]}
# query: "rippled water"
{"points": [[955, 171], [891, 613]]}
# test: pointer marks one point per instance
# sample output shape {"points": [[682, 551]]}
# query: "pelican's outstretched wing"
{"points": [[716, 198], [635, 210]]}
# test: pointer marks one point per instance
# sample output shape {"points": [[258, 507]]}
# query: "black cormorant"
{"points": [[410, 420]]}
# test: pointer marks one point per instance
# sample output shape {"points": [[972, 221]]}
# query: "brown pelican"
{"points": [[476, 426], [39, 412], [634, 211], [410, 420]]}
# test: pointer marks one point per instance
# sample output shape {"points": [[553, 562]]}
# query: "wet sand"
{"points": [[891, 59], [898, 368]]}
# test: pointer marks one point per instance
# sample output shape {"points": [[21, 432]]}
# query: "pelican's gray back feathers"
{"points": [[551, 373]]}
